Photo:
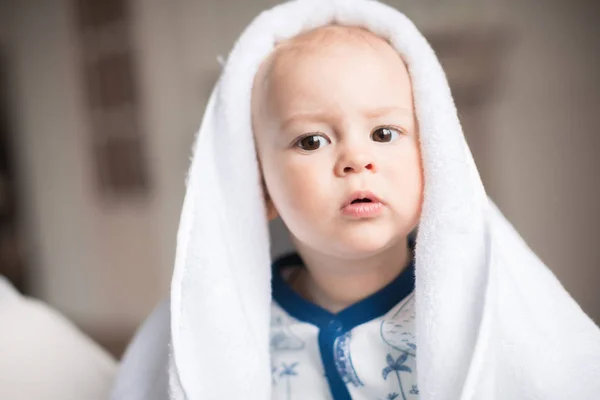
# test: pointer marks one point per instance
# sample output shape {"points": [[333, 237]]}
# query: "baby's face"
{"points": [[331, 123]]}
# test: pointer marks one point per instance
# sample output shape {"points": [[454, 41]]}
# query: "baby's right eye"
{"points": [[312, 142]]}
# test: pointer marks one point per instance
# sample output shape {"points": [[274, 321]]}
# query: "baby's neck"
{"points": [[335, 283]]}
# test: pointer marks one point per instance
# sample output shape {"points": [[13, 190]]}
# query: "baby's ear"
{"points": [[270, 206]]}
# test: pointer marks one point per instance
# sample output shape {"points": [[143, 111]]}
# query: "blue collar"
{"points": [[374, 306]]}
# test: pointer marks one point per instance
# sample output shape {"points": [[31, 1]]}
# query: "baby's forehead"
{"points": [[346, 73], [322, 40], [354, 42]]}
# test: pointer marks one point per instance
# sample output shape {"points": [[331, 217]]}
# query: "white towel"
{"points": [[492, 321]]}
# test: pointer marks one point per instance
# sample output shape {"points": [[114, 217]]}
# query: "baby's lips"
{"points": [[362, 195]]}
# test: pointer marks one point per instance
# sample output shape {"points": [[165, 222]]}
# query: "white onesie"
{"points": [[366, 351]]}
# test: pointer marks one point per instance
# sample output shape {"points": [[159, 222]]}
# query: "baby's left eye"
{"points": [[385, 134]]}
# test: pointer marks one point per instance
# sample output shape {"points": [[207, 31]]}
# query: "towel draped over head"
{"points": [[492, 322]]}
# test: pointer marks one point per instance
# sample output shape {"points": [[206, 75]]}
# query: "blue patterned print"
{"points": [[397, 366], [396, 331], [288, 371], [282, 337], [343, 360], [414, 390]]}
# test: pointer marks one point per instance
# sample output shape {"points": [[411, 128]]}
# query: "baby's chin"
{"points": [[364, 241]]}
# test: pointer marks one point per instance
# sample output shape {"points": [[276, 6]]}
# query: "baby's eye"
{"points": [[385, 134], [312, 142]]}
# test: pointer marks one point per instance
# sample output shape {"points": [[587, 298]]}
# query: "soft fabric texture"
{"points": [[44, 356], [492, 322], [143, 373]]}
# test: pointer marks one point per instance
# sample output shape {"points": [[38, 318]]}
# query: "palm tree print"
{"points": [[392, 396], [396, 366], [288, 372], [414, 390]]}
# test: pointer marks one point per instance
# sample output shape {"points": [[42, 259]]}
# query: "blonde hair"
{"points": [[325, 36]]}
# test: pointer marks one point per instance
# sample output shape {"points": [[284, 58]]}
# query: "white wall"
{"points": [[544, 136], [99, 263]]}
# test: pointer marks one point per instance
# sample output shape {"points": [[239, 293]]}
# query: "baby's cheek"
{"points": [[412, 197], [302, 197], [404, 182], [298, 188]]}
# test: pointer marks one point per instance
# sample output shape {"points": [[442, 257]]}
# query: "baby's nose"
{"points": [[355, 162], [357, 168]]}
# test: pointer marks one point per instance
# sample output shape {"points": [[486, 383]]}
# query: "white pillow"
{"points": [[44, 356]]}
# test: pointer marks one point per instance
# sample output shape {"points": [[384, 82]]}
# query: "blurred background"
{"points": [[100, 100]]}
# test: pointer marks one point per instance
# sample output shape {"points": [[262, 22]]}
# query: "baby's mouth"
{"points": [[359, 197], [363, 205], [361, 201]]}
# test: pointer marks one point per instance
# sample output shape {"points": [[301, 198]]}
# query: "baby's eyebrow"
{"points": [[328, 116], [381, 111], [307, 117]]}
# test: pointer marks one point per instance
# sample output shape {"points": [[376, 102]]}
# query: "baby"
{"points": [[338, 144]]}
